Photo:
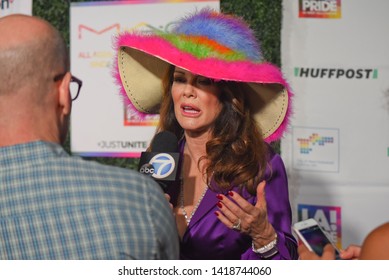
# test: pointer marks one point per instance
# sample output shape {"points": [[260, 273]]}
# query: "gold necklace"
{"points": [[187, 219]]}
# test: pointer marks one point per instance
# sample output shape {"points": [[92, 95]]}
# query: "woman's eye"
{"points": [[179, 79], [205, 81]]}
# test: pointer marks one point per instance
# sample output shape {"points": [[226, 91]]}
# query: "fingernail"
{"points": [[219, 196], [216, 213], [230, 193], [219, 204]]}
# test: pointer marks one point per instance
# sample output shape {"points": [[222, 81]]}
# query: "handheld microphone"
{"points": [[161, 163]]}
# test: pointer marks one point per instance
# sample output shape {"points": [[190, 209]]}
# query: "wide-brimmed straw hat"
{"points": [[206, 43]]}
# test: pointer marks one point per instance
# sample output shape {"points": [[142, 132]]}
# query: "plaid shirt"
{"points": [[56, 206]]}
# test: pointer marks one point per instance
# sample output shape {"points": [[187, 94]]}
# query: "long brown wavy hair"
{"points": [[236, 153]]}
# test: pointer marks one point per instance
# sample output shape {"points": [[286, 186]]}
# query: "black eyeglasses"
{"points": [[75, 85]]}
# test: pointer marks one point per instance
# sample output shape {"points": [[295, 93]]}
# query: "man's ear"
{"points": [[64, 99]]}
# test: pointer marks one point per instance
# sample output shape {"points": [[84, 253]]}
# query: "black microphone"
{"points": [[162, 162]]}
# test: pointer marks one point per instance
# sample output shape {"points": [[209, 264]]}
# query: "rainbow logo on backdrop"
{"points": [[327, 9], [315, 149], [328, 217], [314, 139]]}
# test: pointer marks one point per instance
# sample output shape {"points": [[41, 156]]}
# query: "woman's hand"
{"points": [[168, 200], [238, 214], [352, 252], [306, 254]]}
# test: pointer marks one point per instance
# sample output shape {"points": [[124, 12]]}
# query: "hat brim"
{"points": [[143, 60]]}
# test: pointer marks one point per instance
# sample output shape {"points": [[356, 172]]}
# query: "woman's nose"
{"points": [[189, 90]]}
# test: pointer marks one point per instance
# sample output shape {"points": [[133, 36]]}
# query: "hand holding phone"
{"points": [[313, 236]]}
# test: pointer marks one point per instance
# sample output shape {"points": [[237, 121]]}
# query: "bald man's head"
{"points": [[31, 52]]}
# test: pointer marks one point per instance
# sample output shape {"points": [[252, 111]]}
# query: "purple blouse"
{"points": [[208, 238]]}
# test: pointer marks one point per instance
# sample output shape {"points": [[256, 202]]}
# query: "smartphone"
{"points": [[313, 236]]}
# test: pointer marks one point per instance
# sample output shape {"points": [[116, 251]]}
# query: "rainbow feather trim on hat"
{"points": [[206, 43], [210, 34]]}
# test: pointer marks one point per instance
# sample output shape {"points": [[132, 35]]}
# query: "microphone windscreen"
{"points": [[164, 142]]}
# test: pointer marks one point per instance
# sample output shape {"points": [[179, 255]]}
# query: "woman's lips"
{"points": [[190, 110]]}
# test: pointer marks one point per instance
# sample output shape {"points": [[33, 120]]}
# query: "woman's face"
{"points": [[196, 101]]}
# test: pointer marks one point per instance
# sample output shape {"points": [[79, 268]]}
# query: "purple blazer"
{"points": [[208, 238]]}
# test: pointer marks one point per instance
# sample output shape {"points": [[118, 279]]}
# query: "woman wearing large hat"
{"points": [[207, 80]]}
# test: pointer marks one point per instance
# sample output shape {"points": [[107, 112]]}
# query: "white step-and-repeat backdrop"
{"points": [[8, 7], [335, 54]]}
